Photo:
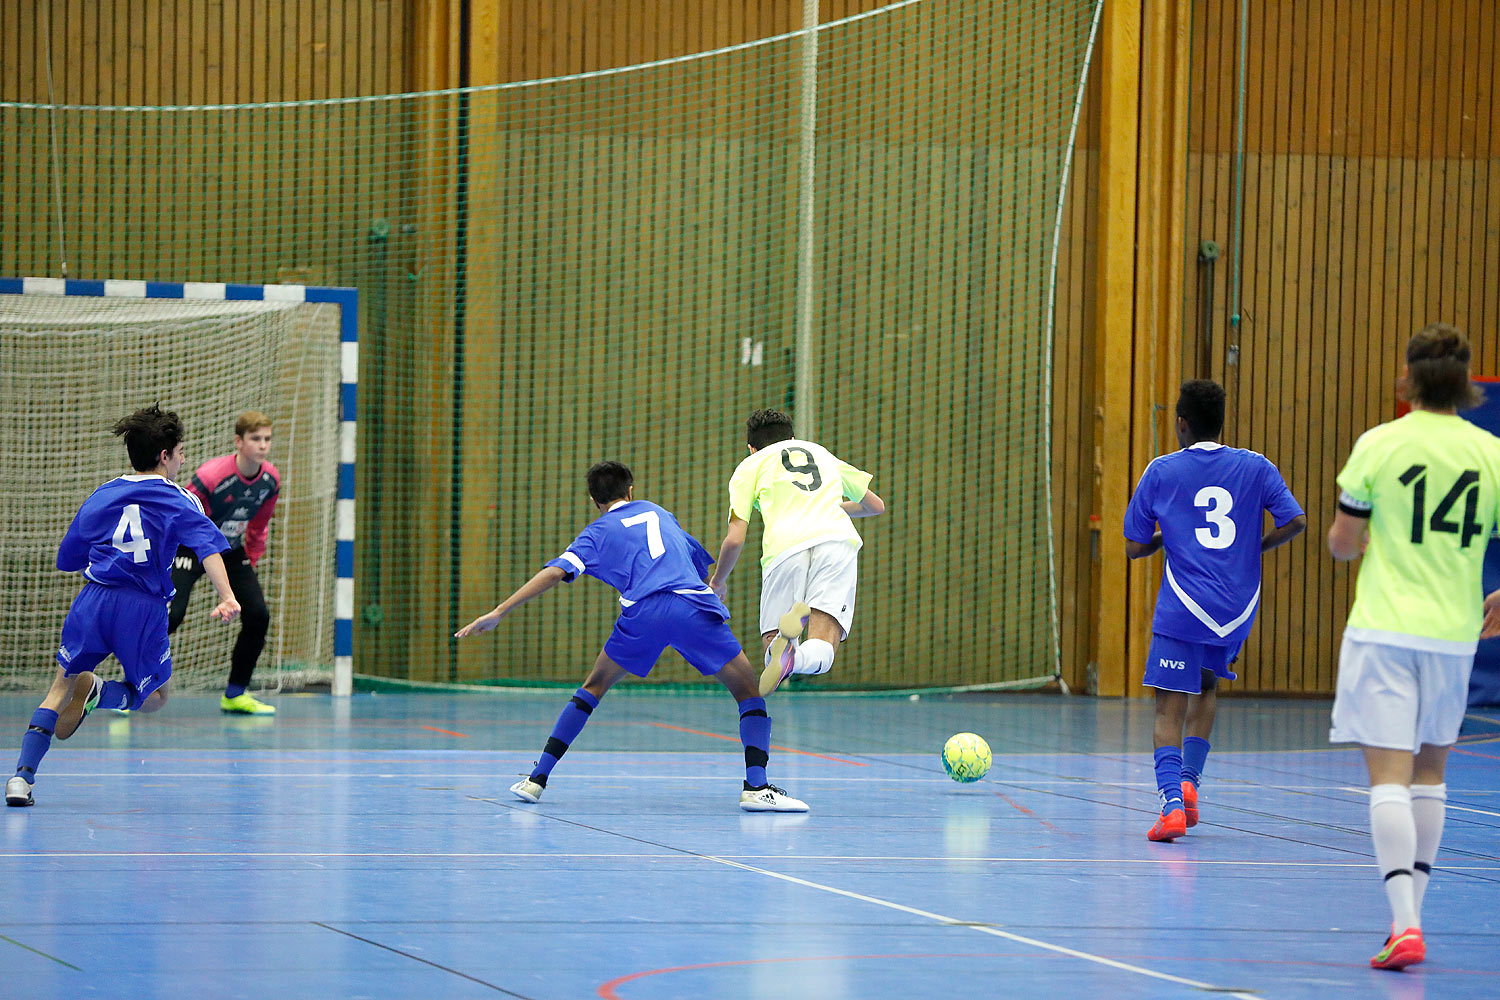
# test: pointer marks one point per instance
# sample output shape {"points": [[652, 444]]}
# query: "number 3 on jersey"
{"points": [[1220, 532], [130, 536]]}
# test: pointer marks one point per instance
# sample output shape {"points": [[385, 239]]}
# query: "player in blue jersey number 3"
{"points": [[123, 540], [1208, 502], [640, 550]]}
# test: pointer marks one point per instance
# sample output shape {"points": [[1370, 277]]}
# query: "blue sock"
{"points": [[1169, 777], [755, 733], [569, 724], [35, 743], [233, 690], [1194, 756], [115, 695]]}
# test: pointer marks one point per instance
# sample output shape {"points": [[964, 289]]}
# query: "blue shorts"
{"points": [[648, 627], [1178, 665], [128, 623]]}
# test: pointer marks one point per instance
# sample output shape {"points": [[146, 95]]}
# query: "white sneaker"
{"points": [[18, 792], [770, 799], [527, 790], [781, 655]]}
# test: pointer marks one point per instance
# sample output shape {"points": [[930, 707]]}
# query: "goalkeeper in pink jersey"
{"points": [[238, 492]]}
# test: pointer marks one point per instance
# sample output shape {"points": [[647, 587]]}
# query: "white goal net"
{"points": [[70, 366]]}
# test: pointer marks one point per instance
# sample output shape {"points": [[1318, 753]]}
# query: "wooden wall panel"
{"points": [[1371, 191]]}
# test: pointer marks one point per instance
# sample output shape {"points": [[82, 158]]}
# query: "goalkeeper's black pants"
{"points": [[255, 618]]}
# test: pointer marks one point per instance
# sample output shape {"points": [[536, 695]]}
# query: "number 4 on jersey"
{"points": [[130, 536]]}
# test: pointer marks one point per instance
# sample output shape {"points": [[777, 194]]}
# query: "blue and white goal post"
{"points": [[77, 355]]}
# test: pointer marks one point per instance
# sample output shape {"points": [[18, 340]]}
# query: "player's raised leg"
{"points": [[781, 647], [67, 701], [575, 715], [758, 795], [824, 633]]}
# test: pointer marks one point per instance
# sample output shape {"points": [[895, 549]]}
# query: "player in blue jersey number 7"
{"points": [[123, 540], [1208, 501], [639, 549]]}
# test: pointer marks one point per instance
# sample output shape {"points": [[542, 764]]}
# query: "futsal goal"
{"points": [[75, 356]]}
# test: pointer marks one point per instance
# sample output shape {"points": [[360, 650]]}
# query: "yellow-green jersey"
{"points": [[799, 488], [1430, 485]]}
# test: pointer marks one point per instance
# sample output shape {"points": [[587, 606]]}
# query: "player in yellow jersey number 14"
{"points": [[1419, 498]]}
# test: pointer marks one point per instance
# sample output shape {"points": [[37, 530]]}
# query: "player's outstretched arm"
{"points": [[869, 505], [228, 608], [729, 554], [545, 579], [1277, 537], [1346, 539], [1491, 627]]}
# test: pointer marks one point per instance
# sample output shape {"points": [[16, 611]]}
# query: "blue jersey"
{"points": [[1208, 501], [639, 549], [127, 532]]}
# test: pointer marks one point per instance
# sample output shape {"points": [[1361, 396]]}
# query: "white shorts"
{"points": [[822, 577], [1398, 698]]}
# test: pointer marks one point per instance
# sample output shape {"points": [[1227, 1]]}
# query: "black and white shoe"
{"points": [[527, 790], [769, 798], [18, 792]]}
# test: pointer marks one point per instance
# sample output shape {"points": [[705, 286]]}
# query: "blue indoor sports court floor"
{"points": [[369, 848]]}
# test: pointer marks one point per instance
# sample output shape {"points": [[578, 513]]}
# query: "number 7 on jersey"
{"points": [[653, 531]]}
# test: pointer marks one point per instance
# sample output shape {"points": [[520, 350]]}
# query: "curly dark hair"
{"points": [[1201, 403], [766, 427], [148, 432]]}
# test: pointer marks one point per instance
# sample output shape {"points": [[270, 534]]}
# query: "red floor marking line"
{"points": [[735, 739], [1475, 753], [1023, 809], [446, 732], [606, 991]]}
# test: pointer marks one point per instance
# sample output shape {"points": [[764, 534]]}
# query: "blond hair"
{"points": [[250, 420]]}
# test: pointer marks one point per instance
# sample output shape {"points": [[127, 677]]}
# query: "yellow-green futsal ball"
{"points": [[966, 757]]}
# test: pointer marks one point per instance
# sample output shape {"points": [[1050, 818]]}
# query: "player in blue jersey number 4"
{"points": [[639, 549], [1207, 501], [123, 540]]}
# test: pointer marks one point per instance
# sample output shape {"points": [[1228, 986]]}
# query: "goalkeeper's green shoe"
{"points": [[245, 704]]}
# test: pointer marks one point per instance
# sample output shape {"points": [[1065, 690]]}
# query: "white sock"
{"points": [[1428, 806], [1394, 832], [815, 656]]}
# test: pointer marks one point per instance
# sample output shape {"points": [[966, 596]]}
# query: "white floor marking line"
{"points": [[1450, 806], [436, 780], [993, 931], [615, 855]]}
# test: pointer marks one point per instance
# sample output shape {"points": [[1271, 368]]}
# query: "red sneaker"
{"points": [[1169, 826], [1190, 802], [1401, 950]]}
